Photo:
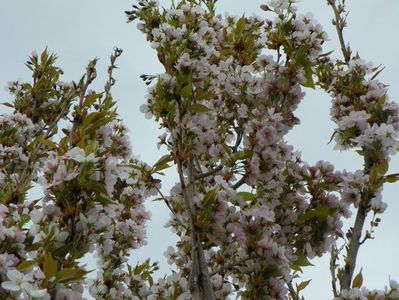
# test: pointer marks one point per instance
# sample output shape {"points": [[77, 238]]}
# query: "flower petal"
{"points": [[13, 275], [10, 285]]}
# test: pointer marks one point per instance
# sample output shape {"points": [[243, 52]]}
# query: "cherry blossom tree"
{"points": [[69, 140], [248, 212]]}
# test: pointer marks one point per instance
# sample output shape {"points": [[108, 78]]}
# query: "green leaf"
{"points": [[358, 280], [226, 52], [377, 72], [160, 89], [199, 108], [302, 261], [90, 118], [136, 167], [205, 95], [320, 213], [246, 196], [103, 200], [270, 271], [61, 251], [49, 266], [209, 197], [63, 143], [90, 148], [240, 26], [8, 104], [140, 268], [27, 264], [382, 167], [303, 285], [162, 163], [239, 155], [326, 54], [377, 171], [90, 99], [332, 137], [162, 167], [186, 91], [309, 78], [70, 274], [129, 269], [95, 186], [392, 178], [50, 144]]}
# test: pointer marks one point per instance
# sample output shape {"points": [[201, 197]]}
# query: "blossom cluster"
{"points": [[17, 131], [390, 293], [366, 119]]}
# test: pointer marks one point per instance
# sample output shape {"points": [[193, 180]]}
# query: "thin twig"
{"points": [[368, 235], [90, 76], [220, 167], [238, 141], [339, 23], [333, 266], [111, 80], [170, 208], [239, 183], [210, 173]]}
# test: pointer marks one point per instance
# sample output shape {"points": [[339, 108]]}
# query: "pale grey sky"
{"points": [[79, 30]]}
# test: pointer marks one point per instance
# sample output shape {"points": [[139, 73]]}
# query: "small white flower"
{"points": [[162, 140], [7, 261], [140, 26], [36, 216], [154, 45], [358, 118], [377, 205], [62, 175], [279, 5], [19, 281], [106, 132], [78, 154]]}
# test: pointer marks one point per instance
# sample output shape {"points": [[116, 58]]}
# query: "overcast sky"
{"points": [[79, 30]]}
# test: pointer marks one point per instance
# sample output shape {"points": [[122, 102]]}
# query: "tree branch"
{"points": [[356, 232], [333, 266], [200, 283], [353, 247]]}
